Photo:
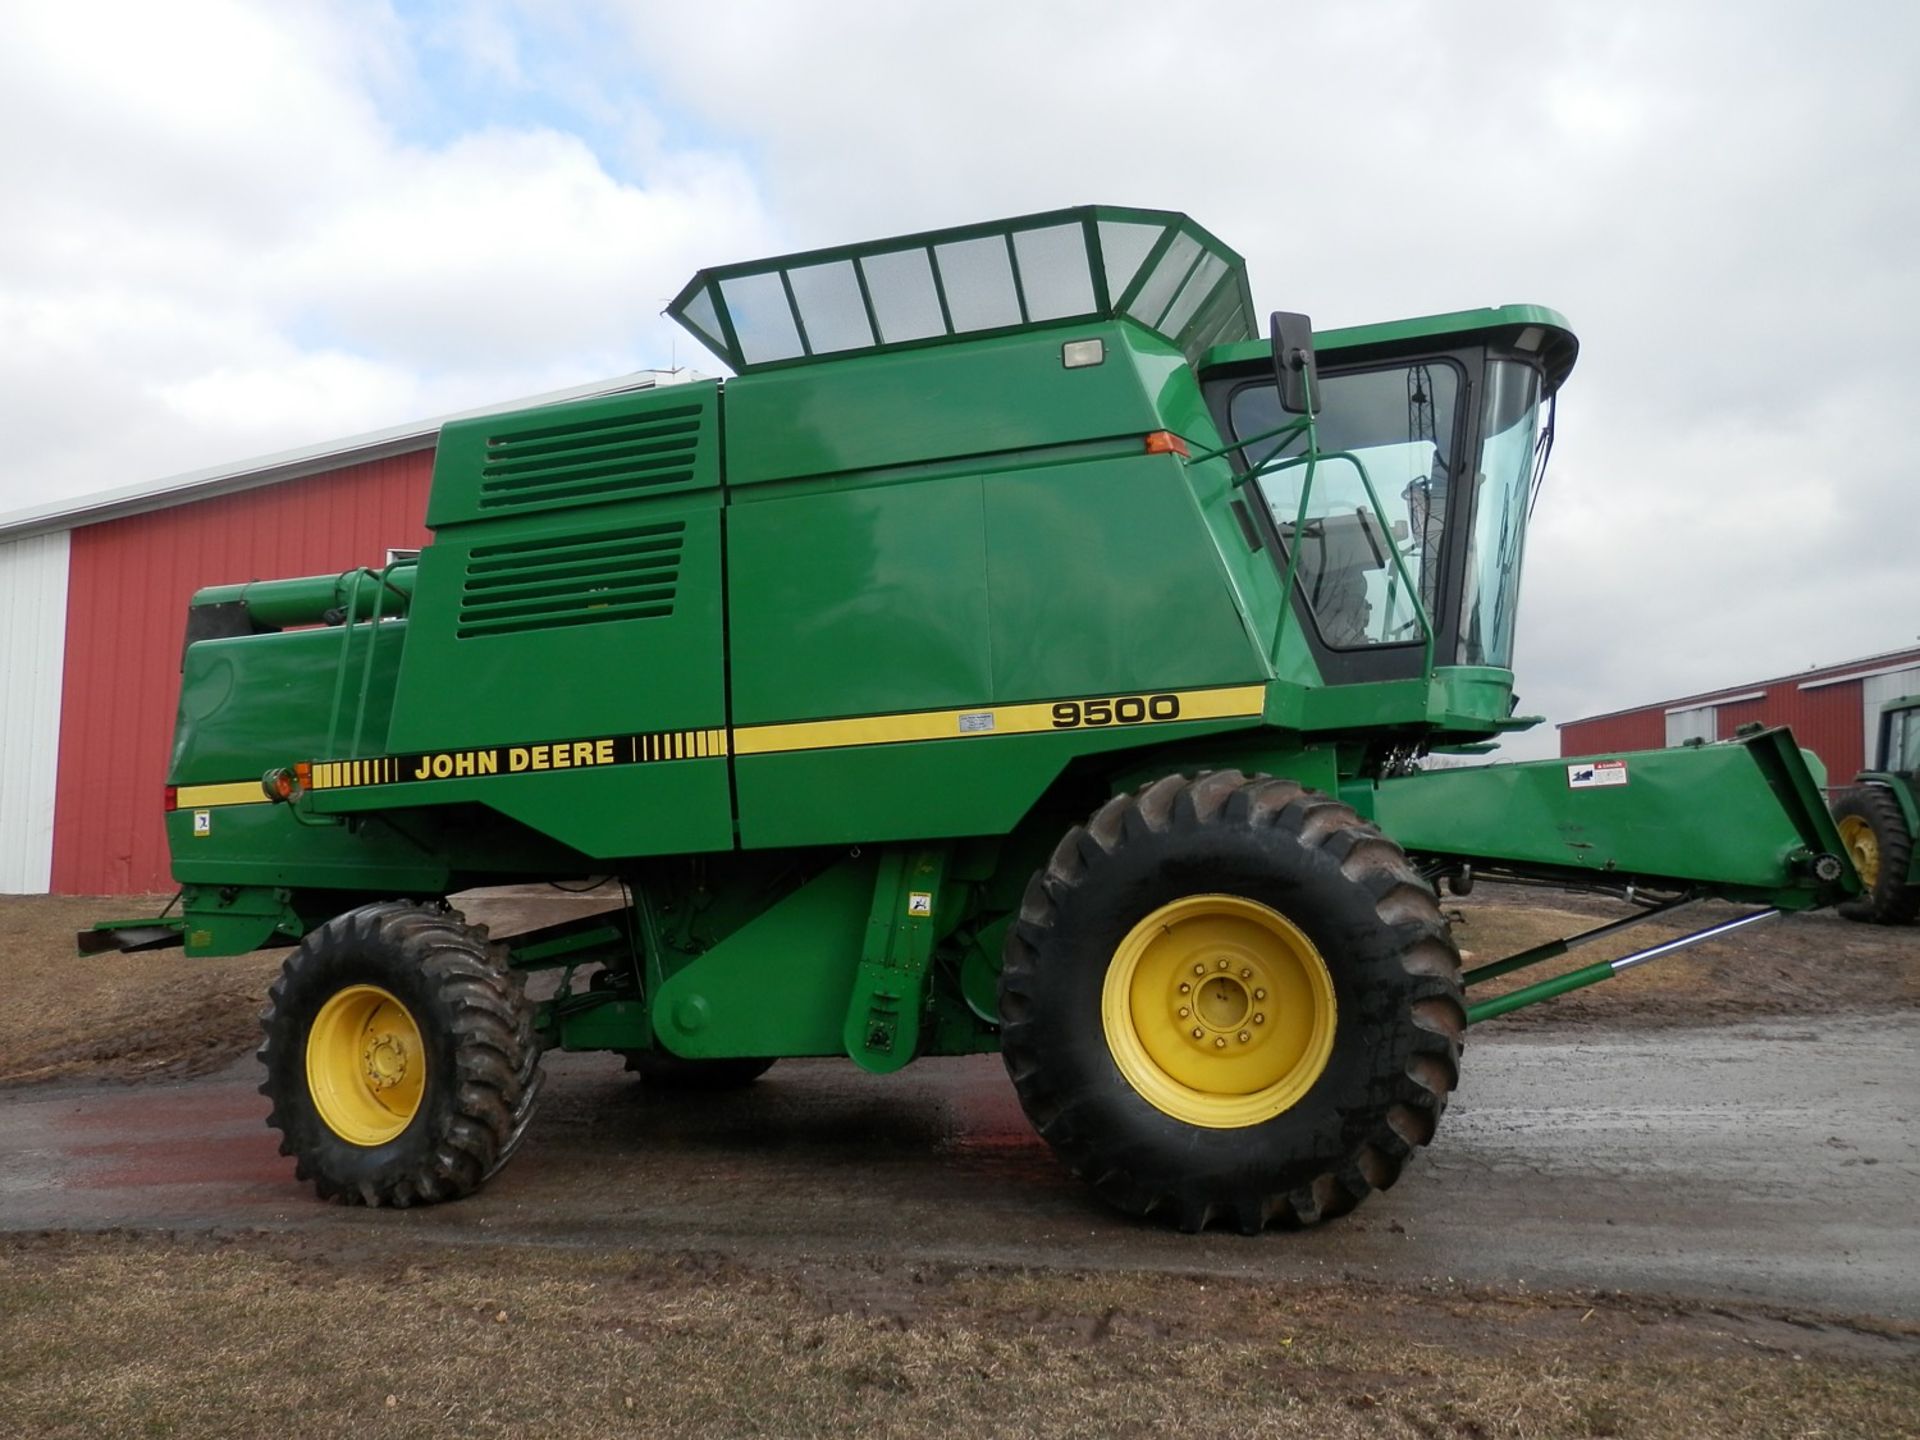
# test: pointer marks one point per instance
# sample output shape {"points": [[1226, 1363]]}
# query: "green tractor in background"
{"points": [[1879, 821], [1019, 653]]}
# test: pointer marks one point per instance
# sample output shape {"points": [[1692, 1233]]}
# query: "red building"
{"points": [[93, 606], [1834, 712]]}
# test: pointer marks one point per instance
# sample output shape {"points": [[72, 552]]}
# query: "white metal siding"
{"points": [[1875, 691], [33, 640], [1695, 724]]}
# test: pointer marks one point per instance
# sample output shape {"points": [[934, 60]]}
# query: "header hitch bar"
{"points": [[1601, 970]]}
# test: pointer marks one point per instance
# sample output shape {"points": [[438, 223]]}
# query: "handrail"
{"points": [[1288, 428], [352, 579], [340, 666], [1312, 460], [366, 666]]}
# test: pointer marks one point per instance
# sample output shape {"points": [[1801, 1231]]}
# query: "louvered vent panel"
{"points": [[544, 584], [581, 462]]}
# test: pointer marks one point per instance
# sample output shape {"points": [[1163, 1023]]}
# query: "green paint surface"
{"points": [[923, 506]]}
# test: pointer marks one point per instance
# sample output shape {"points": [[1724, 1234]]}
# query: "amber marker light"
{"points": [[1165, 442]]}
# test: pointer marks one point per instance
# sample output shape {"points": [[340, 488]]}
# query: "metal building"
{"points": [[93, 604], [1834, 711]]}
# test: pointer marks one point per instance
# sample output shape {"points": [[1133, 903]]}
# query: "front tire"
{"points": [[1177, 1101], [1874, 830], [401, 1059]]}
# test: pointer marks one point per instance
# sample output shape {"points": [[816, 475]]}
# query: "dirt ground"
{"points": [[1796, 965], [156, 1014], [127, 1017], [116, 1016], [282, 1336]]}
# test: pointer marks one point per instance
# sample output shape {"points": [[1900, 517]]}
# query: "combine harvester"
{"points": [[1019, 653]]}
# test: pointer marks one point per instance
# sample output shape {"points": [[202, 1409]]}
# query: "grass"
{"points": [[272, 1335]]}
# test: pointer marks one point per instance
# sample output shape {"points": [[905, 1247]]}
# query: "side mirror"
{"points": [[1293, 363]]}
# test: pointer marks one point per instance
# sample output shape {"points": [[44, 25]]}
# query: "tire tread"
{"points": [[1409, 1102]]}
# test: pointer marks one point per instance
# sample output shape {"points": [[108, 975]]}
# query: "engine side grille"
{"points": [[628, 574], [585, 461]]}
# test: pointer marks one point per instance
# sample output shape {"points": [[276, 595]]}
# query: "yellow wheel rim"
{"points": [[366, 1065], [1218, 1011], [1864, 848]]}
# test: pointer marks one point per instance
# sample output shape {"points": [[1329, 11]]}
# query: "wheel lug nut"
{"points": [[1224, 964], [1259, 1019], [1185, 987], [1184, 1012], [1244, 1037], [1198, 1033], [1199, 969], [1246, 972], [1220, 1044], [1259, 994]]}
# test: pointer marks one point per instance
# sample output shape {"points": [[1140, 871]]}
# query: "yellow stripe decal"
{"points": [[1232, 702], [1093, 712], [234, 792]]}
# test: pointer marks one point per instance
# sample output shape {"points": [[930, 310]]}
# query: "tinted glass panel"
{"points": [[757, 304], [1199, 285], [1399, 423], [1345, 565], [1165, 279], [1123, 248], [978, 278], [701, 315], [1903, 741], [1502, 484], [830, 306], [904, 300], [1053, 271]]}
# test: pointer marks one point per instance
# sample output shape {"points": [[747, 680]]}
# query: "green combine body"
{"points": [[1018, 652]]}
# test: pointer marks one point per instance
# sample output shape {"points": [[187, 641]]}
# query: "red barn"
{"points": [[93, 605], [1834, 712]]}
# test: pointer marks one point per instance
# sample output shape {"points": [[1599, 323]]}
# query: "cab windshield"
{"points": [[1508, 459], [1399, 423]]}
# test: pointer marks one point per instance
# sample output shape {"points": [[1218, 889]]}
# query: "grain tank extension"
{"points": [[1022, 652]]}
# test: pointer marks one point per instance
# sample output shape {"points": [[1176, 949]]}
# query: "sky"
{"points": [[228, 229]]}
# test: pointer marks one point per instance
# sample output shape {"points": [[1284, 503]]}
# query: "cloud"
{"points": [[224, 240], [1722, 201], [238, 227]]}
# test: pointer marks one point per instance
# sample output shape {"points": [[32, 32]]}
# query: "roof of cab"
{"points": [[1555, 340], [1157, 268]]}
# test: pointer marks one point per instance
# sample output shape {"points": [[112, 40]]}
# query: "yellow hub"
{"points": [[366, 1065], [1863, 847], [1219, 1011]]}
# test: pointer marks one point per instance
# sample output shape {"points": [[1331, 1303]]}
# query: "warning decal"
{"points": [[1591, 773]]}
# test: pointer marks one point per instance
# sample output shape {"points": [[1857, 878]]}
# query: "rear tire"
{"points": [[1874, 830], [674, 1072], [401, 1059], [1291, 885]]}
